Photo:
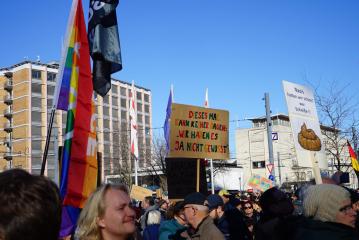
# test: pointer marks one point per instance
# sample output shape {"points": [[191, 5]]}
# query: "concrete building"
{"points": [[252, 152], [26, 94]]}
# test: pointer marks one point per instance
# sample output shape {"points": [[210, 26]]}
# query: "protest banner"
{"points": [[197, 132], [305, 126], [139, 193], [261, 183]]}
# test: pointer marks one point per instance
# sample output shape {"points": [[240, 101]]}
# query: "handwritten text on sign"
{"points": [[198, 132]]}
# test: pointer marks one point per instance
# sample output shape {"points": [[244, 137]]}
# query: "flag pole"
{"points": [[206, 105], [136, 171], [48, 136]]}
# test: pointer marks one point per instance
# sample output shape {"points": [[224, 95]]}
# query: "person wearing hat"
{"points": [[331, 214], [226, 196], [197, 215], [230, 223]]}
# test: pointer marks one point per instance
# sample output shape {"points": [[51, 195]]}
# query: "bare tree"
{"points": [[337, 112], [157, 161]]}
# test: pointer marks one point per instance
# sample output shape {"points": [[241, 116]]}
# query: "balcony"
{"points": [[8, 127], [8, 141], [8, 113], [8, 156], [8, 86], [8, 100], [8, 74]]}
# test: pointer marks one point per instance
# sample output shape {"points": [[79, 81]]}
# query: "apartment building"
{"points": [[252, 152], [26, 95]]}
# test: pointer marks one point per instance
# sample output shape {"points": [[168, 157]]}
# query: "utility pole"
{"points": [[269, 132], [279, 166]]}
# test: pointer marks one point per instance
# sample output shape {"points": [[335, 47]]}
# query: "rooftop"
{"points": [[55, 65]]}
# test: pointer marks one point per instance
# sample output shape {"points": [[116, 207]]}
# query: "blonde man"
{"points": [[107, 215]]}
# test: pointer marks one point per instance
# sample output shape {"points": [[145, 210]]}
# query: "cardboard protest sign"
{"points": [[182, 177], [260, 183], [198, 132], [305, 124], [139, 193]]}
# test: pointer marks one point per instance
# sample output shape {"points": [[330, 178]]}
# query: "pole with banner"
{"points": [[305, 128], [206, 105], [133, 123]]}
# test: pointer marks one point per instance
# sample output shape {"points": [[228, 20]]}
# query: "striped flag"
{"points": [[354, 159], [74, 94], [133, 120]]}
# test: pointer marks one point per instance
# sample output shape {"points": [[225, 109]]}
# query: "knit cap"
{"points": [[323, 201]]}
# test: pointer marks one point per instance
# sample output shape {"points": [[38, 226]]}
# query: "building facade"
{"points": [[252, 152], [26, 95]]}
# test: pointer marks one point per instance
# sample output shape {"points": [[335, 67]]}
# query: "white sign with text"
{"points": [[305, 124]]}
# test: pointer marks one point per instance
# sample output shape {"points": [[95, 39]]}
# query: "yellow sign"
{"points": [[197, 132], [139, 193]]}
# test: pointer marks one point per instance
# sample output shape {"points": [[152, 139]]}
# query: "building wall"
{"points": [[33, 89]]}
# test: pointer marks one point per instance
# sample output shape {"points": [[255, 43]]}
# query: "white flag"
{"points": [[133, 119], [206, 103]]}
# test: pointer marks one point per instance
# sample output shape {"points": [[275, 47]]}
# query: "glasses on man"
{"points": [[346, 209], [248, 207]]}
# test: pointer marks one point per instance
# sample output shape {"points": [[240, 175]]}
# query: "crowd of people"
{"points": [[30, 208]]}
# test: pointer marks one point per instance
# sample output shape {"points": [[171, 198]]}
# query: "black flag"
{"points": [[104, 43]]}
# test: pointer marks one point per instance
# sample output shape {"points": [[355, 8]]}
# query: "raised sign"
{"points": [[198, 132]]}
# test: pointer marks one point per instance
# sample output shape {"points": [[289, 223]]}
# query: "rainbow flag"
{"points": [[355, 163], [74, 94]]}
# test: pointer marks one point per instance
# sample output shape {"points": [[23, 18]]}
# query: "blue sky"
{"points": [[238, 49]]}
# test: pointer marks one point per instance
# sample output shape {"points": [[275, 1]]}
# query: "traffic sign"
{"points": [[271, 177], [270, 167], [274, 136]]}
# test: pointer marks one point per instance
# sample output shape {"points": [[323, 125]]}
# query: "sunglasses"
{"points": [[246, 207]]}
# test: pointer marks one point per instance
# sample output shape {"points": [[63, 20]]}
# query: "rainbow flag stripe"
{"points": [[74, 94]]}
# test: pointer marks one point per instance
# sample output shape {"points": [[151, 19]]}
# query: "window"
{"points": [[139, 96], [147, 120], [106, 111], [106, 124], [114, 101], [36, 74], [36, 144], [50, 90], [36, 116], [106, 99], [36, 131], [258, 164], [123, 102], [114, 114], [123, 91], [36, 102], [147, 98], [123, 115], [114, 89], [51, 76], [139, 107], [36, 88], [139, 118], [147, 108]]}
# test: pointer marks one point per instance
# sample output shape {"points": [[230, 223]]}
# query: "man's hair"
{"points": [[150, 200], [30, 206], [95, 207]]}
